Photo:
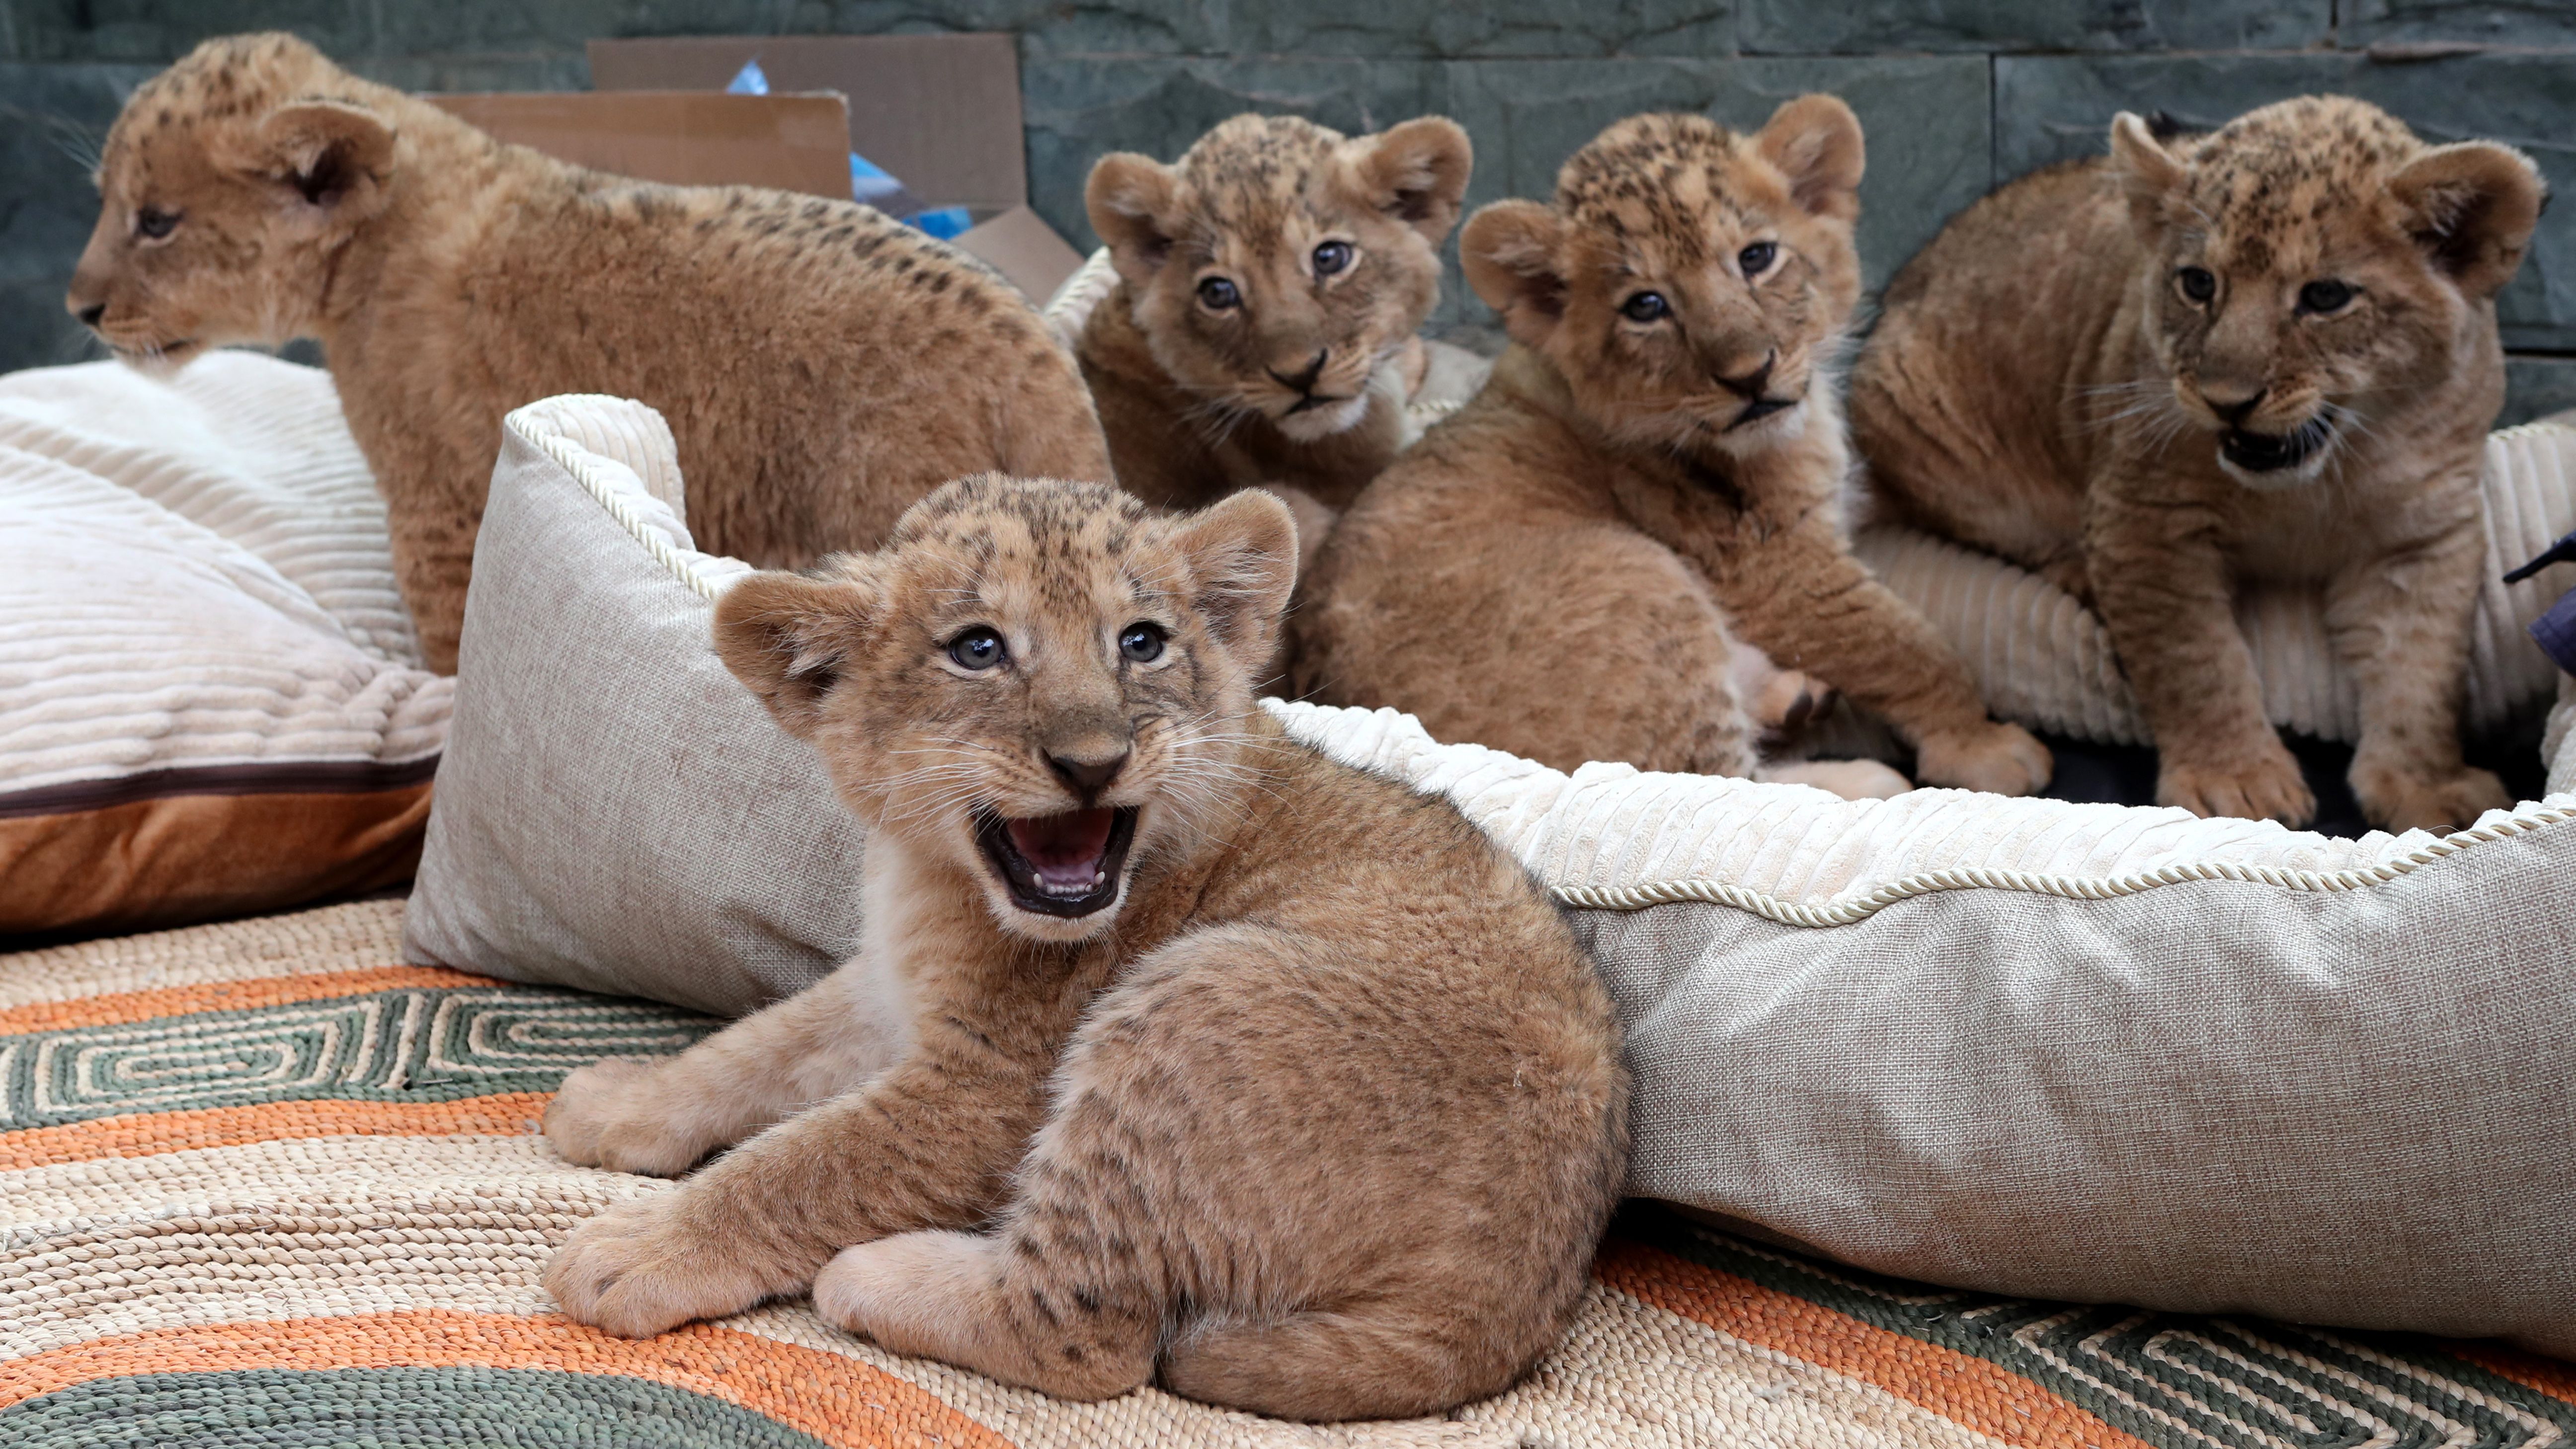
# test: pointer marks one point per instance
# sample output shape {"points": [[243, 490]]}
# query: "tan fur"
{"points": [[2043, 387], [1302, 384], [1320, 1116], [1564, 568], [821, 366]]}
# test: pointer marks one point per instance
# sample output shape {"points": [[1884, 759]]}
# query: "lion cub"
{"points": [[1563, 569], [821, 365], [2266, 352], [1217, 1062], [1270, 285]]}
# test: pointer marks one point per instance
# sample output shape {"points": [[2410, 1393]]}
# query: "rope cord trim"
{"points": [[579, 462], [2082, 888]]}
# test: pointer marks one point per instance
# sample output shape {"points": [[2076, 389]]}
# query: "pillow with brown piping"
{"points": [[210, 698]]}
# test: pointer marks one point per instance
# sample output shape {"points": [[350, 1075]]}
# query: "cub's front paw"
{"points": [[643, 1267], [2002, 759], [2439, 803], [2267, 787], [608, 1114]]}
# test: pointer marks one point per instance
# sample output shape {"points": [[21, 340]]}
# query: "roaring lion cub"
{"points": [[821, 365], [1655, 468], [2266, 352], [1270, 285], [1216, 1061]]}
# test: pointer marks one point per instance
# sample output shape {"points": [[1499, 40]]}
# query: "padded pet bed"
{"points": [[264, 1184], [2021, 1046]]}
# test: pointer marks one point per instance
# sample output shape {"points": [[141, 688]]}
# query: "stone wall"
{"points": [[1955, 94]]}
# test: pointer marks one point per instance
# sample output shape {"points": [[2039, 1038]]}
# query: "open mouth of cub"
{"points": [[1760, 408], [2269, 452], [1059, 865]]}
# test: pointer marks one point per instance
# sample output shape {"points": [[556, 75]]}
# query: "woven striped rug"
{"points": [[265, 1185]]}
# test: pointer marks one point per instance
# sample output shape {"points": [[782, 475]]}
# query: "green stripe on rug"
{"points": [[390, 1408], [2172, 1379], [423, 1045]]}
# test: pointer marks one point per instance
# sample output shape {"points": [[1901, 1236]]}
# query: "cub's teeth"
{"points": [[1097, 877]]}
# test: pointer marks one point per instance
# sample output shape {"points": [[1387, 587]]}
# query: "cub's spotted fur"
{"points": [[1270, 284], [2269, 352], [1174, 1050], [821, 366], [1564, 569]]}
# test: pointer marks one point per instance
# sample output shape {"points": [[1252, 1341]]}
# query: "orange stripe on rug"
{"points": [[149, 1134], [226, 996], [2549, 1376], [836, 1399], [1966, 1390]]}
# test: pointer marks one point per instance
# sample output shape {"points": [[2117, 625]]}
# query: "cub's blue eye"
{"points": [[1218, 295], [1142, 643], [977, 649], [153, 222], [1331, 257], [2325, 296], [2198, 283], [1756, 259], [1645, 307]]}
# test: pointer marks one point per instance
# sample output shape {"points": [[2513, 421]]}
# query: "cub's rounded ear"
{"points": [[2472, 206], [1815, 141], [336, 155], [1417, 173], [1509, 253], [787, 637], [1134, 203], [1243, 559], [2155, 179]]}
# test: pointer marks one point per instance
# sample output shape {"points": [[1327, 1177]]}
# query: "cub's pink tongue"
{"points": [[1065, 849]]}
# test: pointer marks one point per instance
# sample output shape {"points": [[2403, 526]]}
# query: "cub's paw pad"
{"points": [[2267, 789], [2440, 804], [2001, 759], [608, 1115], [643, 1268]]}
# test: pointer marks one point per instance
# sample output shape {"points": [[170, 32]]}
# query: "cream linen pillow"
{"points": [[2032, 1047]]}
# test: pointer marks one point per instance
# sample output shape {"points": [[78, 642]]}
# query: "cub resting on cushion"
{"points": [[821, 365], [1270, 285], [1220, 1062], [2267, 352], [1563, 568]]}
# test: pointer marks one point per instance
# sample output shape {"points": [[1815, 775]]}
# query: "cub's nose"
{"points": [[1087, 778], [1304, 381], [90, 314], [2232, 412]]}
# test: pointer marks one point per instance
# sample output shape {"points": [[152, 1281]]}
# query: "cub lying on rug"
{"points": [[2267, 352], [821, 365], [1564, 568], [1217, 1061], [1270, 286]]}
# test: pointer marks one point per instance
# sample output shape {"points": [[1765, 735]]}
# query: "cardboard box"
{"points": [[680, 138], [941, 112]]}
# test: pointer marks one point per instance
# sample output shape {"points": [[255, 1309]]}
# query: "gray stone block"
{"points": [[2050, 108], [1865, 26], [1494, 28], [2535, 387], [52, 119], [2546, 23], [1926, 119]]}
